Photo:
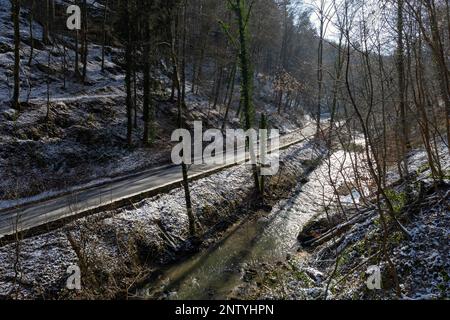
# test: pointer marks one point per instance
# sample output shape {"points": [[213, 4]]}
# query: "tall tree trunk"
{"points": [[231, 94], [148, 113], [175, 67], [105, 15], [243, 15], [77, 55], [406, 145], [420, 101], [45, 31], [199, 74], [320, 66], [128, 72], [180, 103], [15, 17], [47, 82], [30, 60], [183, 54], [85, 42], [218, 87], [64, 62], [135, 94]]}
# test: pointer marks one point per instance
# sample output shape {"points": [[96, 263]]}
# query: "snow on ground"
{"points": [[148, 225], [422, 263], [85, 137]]}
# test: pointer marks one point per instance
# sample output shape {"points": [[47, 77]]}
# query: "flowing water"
{"points": [[214, 273]]}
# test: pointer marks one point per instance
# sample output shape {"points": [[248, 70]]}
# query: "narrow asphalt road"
{"points": [[120, 191]]}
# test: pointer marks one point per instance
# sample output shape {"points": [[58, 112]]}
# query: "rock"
{"points": [[5, 48], [312, 231], [314, 274], [315, 228], [249, 275], [9, 114]]}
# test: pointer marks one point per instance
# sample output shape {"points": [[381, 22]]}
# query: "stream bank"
{"points": [[336, 268], [118, 249], [265, 237]]}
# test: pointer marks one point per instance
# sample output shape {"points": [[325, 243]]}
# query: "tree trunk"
{"points": [[231, 94], [85, 42], [320, 69], [16, 21], [147, 110], [183, 54], [180, 103], [406, 145], [31, 33], [128, 73], [240, 10], [45, 30], [77, 55], [105, 14]]}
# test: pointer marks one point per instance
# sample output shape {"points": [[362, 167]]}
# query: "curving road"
{"points": [[113, 194]]}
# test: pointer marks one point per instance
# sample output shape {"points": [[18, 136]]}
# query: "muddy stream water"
{"points": [[264, 238], [215, 272]]}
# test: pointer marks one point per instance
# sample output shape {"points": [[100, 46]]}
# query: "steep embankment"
{"points": [[334, 252], [118, 249]]}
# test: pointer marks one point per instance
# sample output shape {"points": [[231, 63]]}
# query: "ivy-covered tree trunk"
{"points": [[242, 15]]}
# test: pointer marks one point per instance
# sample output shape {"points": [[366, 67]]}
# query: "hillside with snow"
{"points": [[84, 139], [358, 207]]}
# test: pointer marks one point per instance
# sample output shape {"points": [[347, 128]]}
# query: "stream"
{"points": [[215, 272]]}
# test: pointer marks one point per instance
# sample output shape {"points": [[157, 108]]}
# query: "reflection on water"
{"points": [[214, 273]]}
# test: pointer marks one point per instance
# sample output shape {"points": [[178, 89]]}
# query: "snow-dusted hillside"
{"points": [[84, 137]]}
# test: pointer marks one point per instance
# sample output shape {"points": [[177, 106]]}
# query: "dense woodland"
{"points": [[359, 70], [384, 65]]}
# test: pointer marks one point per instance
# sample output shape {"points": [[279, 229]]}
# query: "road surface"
{"points": [[120, 192]]}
